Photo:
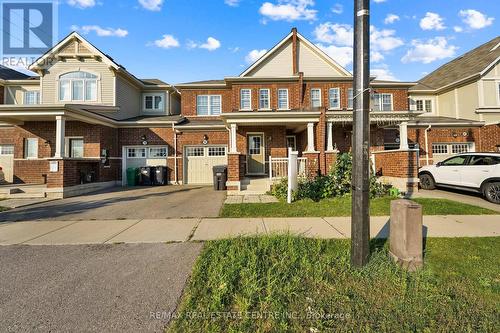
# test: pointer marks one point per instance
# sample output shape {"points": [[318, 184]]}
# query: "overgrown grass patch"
{"points": [[291, 284], [342, 207]]}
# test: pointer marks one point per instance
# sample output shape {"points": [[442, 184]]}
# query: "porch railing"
{"points": [[278, 167]]}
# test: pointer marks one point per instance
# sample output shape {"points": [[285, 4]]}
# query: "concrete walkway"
{"points": [[183, 230]]}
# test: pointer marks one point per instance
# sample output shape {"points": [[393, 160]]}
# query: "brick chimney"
{"points": [[295, 55]]}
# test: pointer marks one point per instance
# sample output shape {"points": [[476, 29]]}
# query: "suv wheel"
{"points": [[492, 192], [427, 182]]}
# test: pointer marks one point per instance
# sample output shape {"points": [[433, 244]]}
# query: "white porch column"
{"points": [[329, 146], [60, 135], [310, 137], [233, 134], [403, 136]]}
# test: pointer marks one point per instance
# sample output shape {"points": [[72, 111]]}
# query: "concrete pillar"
{"points": [[406, 242], [232, 137], [60, 135], [310, 137], [329, 145], [403, 136]]}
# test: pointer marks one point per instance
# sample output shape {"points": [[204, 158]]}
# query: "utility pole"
{"points": [[360, 223]]}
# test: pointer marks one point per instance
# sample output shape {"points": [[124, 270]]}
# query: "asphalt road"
{"points": [[127, 203], [101, 288]]}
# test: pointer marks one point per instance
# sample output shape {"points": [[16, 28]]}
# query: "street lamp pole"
{"points": [[360, 223]]}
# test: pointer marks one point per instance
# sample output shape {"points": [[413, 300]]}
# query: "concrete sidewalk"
{"points": [[183, 230]]}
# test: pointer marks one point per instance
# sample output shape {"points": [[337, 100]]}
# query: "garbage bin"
{"points": [[146, 178], [160, 176], [220, 177], [132, 176]]}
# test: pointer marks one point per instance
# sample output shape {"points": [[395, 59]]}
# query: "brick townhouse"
{"points": [[85, 119]]}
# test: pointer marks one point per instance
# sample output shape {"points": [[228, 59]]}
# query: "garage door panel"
{"points": [[200, 161]]}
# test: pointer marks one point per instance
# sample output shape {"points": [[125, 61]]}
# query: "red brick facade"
{"points": [[400, 164]]}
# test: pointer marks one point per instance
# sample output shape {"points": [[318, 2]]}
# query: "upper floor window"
{"points": [[382, 102], [423, 105], [32, 97], [78, 86], [153, 102], [334, 97], [208, 105], [246, 99], [264, 99], [283, 99], [498, 92], [315, 98], [350, 98]]}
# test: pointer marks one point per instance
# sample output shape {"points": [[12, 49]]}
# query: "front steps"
{"points": [[253, 186], [23, 191]]}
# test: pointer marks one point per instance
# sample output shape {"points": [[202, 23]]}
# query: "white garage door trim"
{"points": [[7, 163], [205, 176], [147, 158]]}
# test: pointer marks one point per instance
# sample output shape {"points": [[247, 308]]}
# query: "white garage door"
{"points": [[137, 157], [199, 161], [6, 164]]}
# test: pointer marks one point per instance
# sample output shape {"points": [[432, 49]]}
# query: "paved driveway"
{"points": [[460, 196], [97, 288], [127, 203]]}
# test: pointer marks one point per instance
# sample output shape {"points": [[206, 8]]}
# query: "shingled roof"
{"points": [[469, 64], [7, 73]]}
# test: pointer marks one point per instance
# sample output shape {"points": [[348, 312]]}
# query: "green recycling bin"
{"points": [[132, 176]]}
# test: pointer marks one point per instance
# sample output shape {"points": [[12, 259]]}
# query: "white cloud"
{"points": [[254, 55], [383, 73], [232, 3], [342, 54], [82, 3], [379, 1], [211, 44], [429, 51], [391, 18], [475, 19], [432, 21], [153, 5], [167, 42], [289, 10], [339, 34], [384, 40], [458, 29], [234, 49], [376, 56], [101, 32], [338, 8]]}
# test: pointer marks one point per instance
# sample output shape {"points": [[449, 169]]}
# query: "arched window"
{"points": [[78, 86]]}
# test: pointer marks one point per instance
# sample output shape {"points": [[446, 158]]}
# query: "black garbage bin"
{"points": [[160, 176], [147, 174], [220, 177]]}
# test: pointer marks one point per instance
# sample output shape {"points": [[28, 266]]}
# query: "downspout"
{"points": [[175, 154], [427, 145]]}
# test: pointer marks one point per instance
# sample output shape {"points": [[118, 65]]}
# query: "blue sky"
{"points": [[188, 40]]}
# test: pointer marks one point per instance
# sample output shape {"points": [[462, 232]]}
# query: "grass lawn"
{"points": [[291, 284], [342, 207]]}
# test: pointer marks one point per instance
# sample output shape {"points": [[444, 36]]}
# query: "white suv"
{"points": [[476, 172]]}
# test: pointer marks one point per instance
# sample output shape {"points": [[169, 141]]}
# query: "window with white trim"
{"points": [[291, 142], [423, 105], [30, 148], [157, 152], [6, 150], [195, 151], [264, 99], [316, 98], [136, 152], [32, 97], [78, 86], [208, 105], [216, 151], [498, 92], [350, 98], [334, 98], [75, 147], [246, 99], [153, 102], [452, 148], [283, 99], [382, 102]]}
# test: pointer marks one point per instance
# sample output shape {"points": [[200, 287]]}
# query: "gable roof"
{"points": [[470, 64], [326, 58]]}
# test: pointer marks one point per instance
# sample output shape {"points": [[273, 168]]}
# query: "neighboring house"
{"points": [[461, 105]]}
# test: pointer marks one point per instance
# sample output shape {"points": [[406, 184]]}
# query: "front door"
{"points": [[256, 157]]}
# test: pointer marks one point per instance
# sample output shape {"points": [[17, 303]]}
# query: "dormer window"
{"points": [[78, 87], [153, 102]]}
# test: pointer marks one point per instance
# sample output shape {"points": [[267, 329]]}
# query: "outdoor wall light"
{"points": [[205, 139]]}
